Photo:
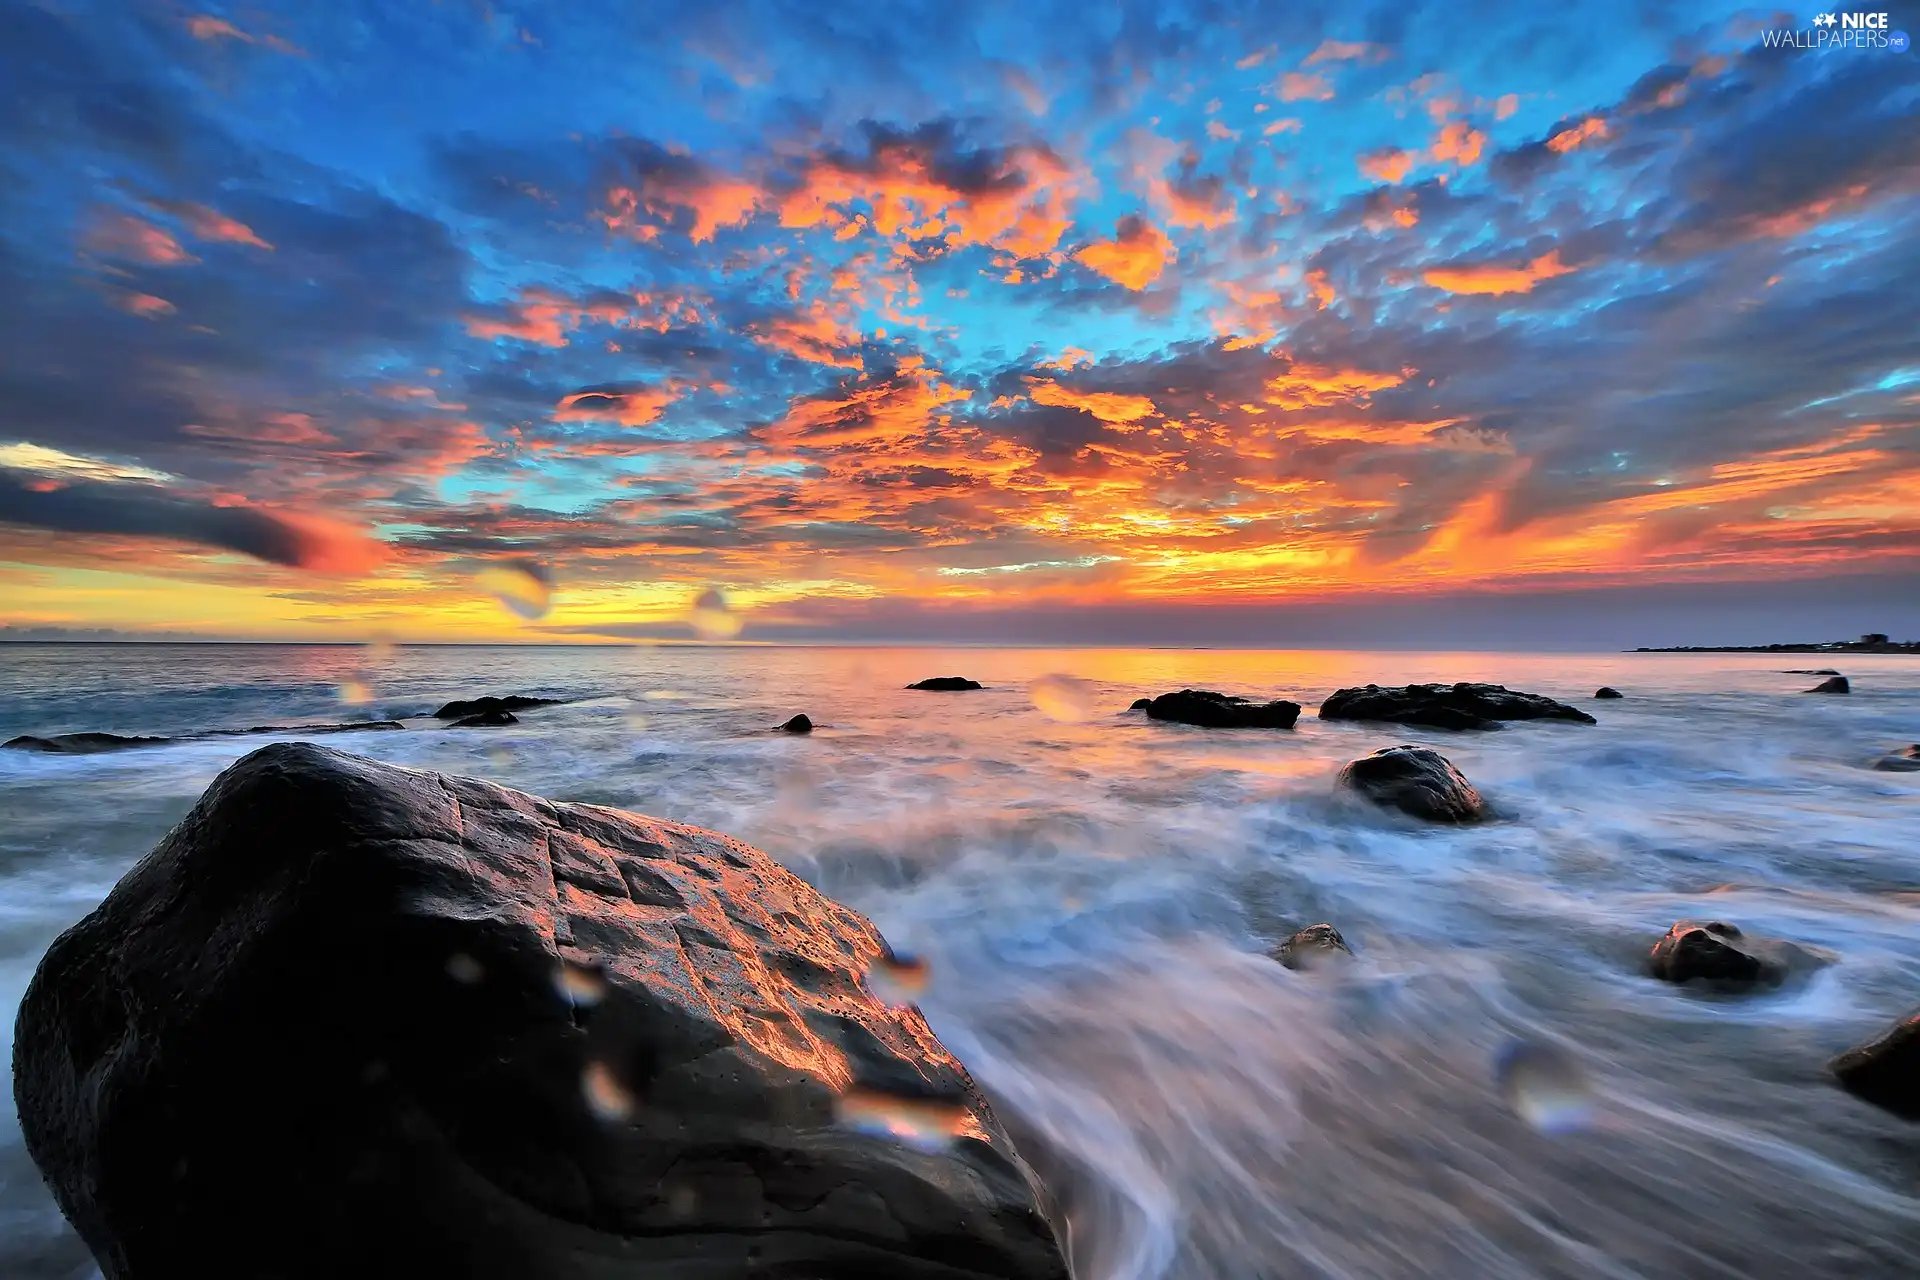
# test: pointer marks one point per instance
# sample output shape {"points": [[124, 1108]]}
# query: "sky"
{"points": [[1213, 322]]}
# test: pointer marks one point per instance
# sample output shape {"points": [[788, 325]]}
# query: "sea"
{"points": [[1493, 1088]]}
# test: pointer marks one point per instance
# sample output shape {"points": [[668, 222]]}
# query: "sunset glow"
{"points": [[314, 317]]}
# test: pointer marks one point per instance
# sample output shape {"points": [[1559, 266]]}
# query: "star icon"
{"points": [[1823, 20]]}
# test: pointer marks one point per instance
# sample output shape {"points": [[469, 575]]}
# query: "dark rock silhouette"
{"points": [[1907, 761], [1141, 704], [799, 724], [1446, 706], [1418, 781], [1832, 684], [946, 684], [481, 706], [1810, 671], [80, 744], [349, 1019], [1221, 711], [1313, 947], [486, 720], [1721, 955], [1886, 1071], [1607, 691]]}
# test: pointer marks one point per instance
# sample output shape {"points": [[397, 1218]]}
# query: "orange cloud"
{"points": [[205, 26], [1220, 132], [1490, 278], [1388, 164], [545, 318], [320, 545], [143, 304], [1344, 51], [1321, 289], [1459, 142], [1286, 124], [1588, 130], [869, 412], [715, 201], [121, 235], [1505, 105], [635, 408], [1134, 258], [1110, 407], [1301, 86], [814, 336], [209, 224], [1307, 386]]}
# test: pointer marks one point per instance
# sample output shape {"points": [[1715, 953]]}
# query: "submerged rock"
{"points": [[798, 724], [945, 684], [1832, 684], [486, 720], [1907, 761], [1719, 953], [1313, 947], [354, 1019], [1886, 1071], [1446, 706], [1810, 671], [481, 706], [80, 744], [1415, 780], [1221, 711], [1607, 691]]}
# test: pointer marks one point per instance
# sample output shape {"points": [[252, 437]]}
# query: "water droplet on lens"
{"points": [[663, 695], [355, 692], [462, 967], [606, 1097], [925, 1124], [898, 980], [1545, 1086], [710, 617], [681, 1202], [502, 757], [379, 648], [636, 719], [522, 586], [582, 985], [1067, 699]]}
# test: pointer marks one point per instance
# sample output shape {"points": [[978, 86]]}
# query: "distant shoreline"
{"points": [[1912, 647]]}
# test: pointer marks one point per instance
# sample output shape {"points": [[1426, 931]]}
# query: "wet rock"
{"points": [[799, 724], [351, 726], [481, 706], [354, 1019], [1221, 711], [1810, 671], [1313, 947], [1607, 691], [1907, 761], [945, 684], [1141, 704], [1832, 684], [1415, 780], [1886, 1071], [1446, 706], [1720, 954], [486, 720], [80, 744]]}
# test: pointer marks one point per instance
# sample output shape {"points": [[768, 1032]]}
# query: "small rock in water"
{"points": [[477, 706], [1607, 691], [1067, 699], [711, 618], [485, 720], [799, 724], [897, 979], [945, 684], [80, 744], [523, 587], [1457, 706], [926, 1124], [1314, 947], [1907, 761], [1544, 1086], [1832, 684], [1211, 710], [1418, 781], [607, 1098], [1141, 704], [1886, 1071], [1719, 953]]}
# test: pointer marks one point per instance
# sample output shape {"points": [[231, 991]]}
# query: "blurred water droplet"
{"points": [[1545, 1086], [662, 695], [583, 985], [379, 648], [606, 1097], [462, 967], [926, 1124], [501, 756], [355, 692], [635, 718], [898, 980], [521, 586], [1067, 699], [711, 618], [681, 1202]]}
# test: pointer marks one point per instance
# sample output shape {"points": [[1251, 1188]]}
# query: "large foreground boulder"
{"points": [[1722, 956], [1415, 780], [349, 1019], [1886, 1071], [1221, 711], [1446, 706]]}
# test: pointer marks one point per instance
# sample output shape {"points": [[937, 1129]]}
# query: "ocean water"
{"points": [[1095, 894]]}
